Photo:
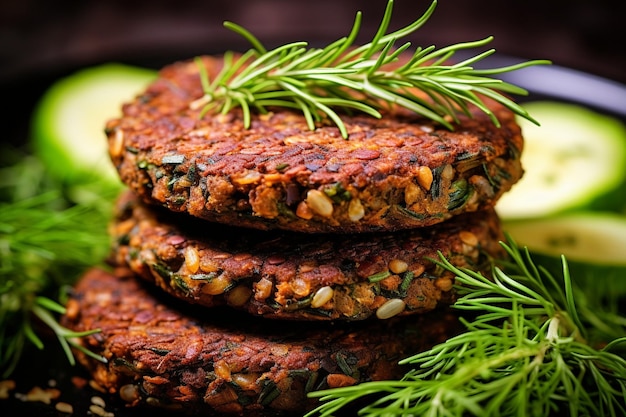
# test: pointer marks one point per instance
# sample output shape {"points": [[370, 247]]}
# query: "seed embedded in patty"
{"points": [[192, 259], [239, 296], [117, 145], [468, 238], [391, 308], [216, 286], [356, 211], [304, 211], [322, 296], [320, 203], [425, 177], [398, 266], [129, 393], [262, 289]]}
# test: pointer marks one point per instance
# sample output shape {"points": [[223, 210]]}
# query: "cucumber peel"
{"points": [[575, 160], [68, 122]]}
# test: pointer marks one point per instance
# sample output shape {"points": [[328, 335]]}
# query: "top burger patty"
{"points": [[397, 172]]}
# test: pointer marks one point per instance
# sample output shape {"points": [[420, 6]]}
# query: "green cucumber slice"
{"points": [[596, 238], [68, 122], [575, 158]]}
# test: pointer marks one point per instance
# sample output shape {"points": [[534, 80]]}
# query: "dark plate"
{"points": [[564, 84], [50, 368]]}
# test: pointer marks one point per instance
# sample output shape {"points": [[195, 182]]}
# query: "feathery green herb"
{"points": [[358, 78], [528, 351], [47, 238]]}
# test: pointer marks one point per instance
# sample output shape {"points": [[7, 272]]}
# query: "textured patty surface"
{"points": [[176, 357], [397, 172], [290, 275]]}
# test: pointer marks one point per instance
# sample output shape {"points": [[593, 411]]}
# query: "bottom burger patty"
{"points": [[176, 356]]}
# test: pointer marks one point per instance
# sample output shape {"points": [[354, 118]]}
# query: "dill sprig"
{"points": [[47, 238], [526, 352], [345, 77]]}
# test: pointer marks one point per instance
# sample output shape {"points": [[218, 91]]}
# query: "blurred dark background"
{"points": [[36, 35], [44, 39]]}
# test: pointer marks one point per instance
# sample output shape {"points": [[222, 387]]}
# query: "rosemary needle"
{"points": [[342, 77]]}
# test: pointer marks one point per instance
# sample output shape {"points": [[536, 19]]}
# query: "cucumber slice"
{"points": [[594, 244], [575, 158], [595, 238], [68, 122]]}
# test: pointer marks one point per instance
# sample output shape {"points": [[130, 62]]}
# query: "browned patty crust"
{"points": [[399, 172], [290, 275], [175, 357]]}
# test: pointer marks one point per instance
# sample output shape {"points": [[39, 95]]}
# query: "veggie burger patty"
{"points": [[289, 275], [179, 358], [398, 172]]}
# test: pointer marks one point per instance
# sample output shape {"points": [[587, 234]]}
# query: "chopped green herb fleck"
{"points": [[379, 276]]}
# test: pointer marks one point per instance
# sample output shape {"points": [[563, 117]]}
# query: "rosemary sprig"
{"points": [[46, 240], [526, 352], [348, 78]]}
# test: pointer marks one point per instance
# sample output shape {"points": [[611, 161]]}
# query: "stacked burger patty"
{"points": [[254, 265]]}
